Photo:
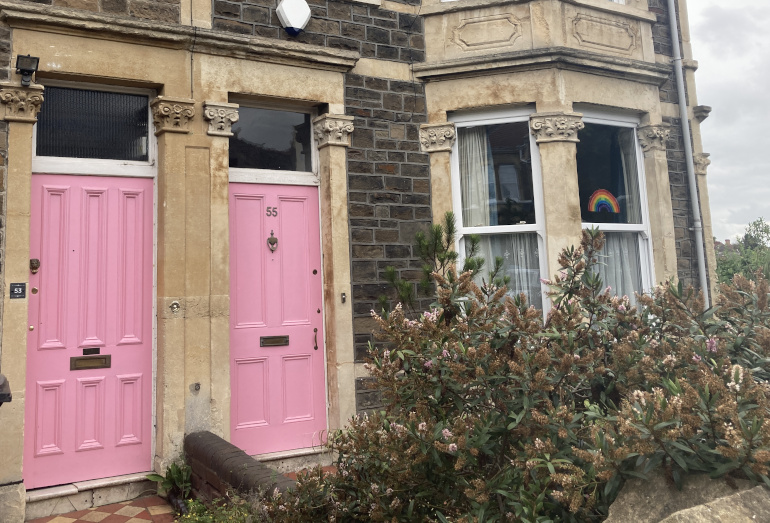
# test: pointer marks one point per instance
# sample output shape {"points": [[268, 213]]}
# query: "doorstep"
{"points": [[61, 499], [294, 460]]}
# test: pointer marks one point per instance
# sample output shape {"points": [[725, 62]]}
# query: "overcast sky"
{"points": [[731, 43]]}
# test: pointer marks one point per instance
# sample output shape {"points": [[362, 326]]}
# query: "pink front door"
{"points": [[89, 348], [276, 328]]}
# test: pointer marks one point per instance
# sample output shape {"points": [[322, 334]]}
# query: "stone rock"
{"points": [[12, 501], [654, 500], [748, 506]]}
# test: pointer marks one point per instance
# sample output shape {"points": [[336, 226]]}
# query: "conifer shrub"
{"points": [[494, 413]]}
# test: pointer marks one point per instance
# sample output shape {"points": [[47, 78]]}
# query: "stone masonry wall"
{"points": [[369, 30], [5, 74], [389, 197], [156, 10], [687, 263]]}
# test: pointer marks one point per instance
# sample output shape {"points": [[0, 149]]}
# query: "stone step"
{"points": [[748, 506], [61, 499]]}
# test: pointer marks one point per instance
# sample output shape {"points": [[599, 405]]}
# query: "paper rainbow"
{"points": [[603, 200]]}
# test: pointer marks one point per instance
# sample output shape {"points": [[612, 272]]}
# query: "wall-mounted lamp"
{"points": [[26, 66]]}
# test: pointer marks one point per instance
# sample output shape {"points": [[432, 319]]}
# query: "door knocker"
{"points": [[272, 242]]}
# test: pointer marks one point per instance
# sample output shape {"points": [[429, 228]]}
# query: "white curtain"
{"points": [[619, 266], [474, 176], [520, 261], [627, 142]]}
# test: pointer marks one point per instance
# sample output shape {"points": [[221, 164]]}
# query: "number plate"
{"points": [[18, 290]]}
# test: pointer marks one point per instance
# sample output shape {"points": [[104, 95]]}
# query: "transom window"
{"points": [[612, 198], [496, 197], [272, 140], [84, 123]]}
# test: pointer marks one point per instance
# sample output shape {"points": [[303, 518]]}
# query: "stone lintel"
{"points": [[22, 104], [60, 20], [221, 117], [333, 129], [172, 115], [556, 127], [654, 137], [437, 137]]}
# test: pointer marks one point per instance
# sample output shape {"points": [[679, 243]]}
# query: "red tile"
{"points": [[153, 501], [144, 515], [163, 518]]}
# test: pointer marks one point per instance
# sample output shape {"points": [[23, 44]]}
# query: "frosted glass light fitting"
{"points": [[293, 15]]}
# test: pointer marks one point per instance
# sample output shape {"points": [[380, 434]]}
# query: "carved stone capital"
{"points": [[172, 115], [437, 137], [22, 104], [333, 129], [702, 163], [701, 112], [654, 137], [221, 117], [556, 127]]}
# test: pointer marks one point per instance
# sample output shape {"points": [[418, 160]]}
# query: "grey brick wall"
{"points": [[373, 32], [389, 196], [687, 265]]}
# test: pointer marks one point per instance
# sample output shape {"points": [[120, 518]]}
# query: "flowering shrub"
{"points": [[494, 414]]}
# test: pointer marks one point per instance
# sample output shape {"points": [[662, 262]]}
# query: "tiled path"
{"points": [[142, 510]]}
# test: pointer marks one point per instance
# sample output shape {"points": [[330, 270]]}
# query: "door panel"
{"points": [[92, 296], [279, 392]]}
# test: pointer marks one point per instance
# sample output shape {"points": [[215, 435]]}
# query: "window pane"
{"points": [[608, 175], [521, 262], [267, 139], [496, 175], [619, 264], [79, 123]]}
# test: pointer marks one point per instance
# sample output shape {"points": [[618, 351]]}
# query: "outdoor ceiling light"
{"points": [[26, 67]]}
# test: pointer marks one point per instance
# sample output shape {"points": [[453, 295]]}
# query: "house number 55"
{"points": [[272, 211]]}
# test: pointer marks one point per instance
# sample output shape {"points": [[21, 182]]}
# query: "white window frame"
{"points": [[278, 177], [96, 166], [494, 117], [646, 262]]}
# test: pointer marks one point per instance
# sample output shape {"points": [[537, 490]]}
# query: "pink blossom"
{"points": [[428, 364], [446, 433], [544, 281], [452, 447], [696, 358], [576, 357], [422, 427], [711, 344], [621, 308], [445, 353]]}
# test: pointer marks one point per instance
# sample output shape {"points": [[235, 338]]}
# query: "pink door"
{"points": [[89, 349], [276, 328]]}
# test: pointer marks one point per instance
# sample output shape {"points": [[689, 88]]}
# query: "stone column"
{"points": [[220, 117], [556, 135], [332, 134], [21, 107], [438, 140], [653, 138], [172, 119]]}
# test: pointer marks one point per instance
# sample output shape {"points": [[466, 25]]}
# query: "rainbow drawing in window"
{"points": [[603, 200]]}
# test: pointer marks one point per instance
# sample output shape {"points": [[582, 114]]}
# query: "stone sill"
{"points": [[598, 5]]}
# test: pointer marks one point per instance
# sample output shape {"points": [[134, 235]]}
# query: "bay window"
{"points": [[497, 196], [612, 198]]}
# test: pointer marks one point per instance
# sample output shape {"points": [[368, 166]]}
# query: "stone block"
{"points": [[12, 502]]}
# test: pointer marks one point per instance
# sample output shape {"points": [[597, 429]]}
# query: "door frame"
{"points": [[84, 167]]}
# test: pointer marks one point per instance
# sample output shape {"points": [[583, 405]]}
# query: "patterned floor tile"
{"points": [[143, 510]]}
